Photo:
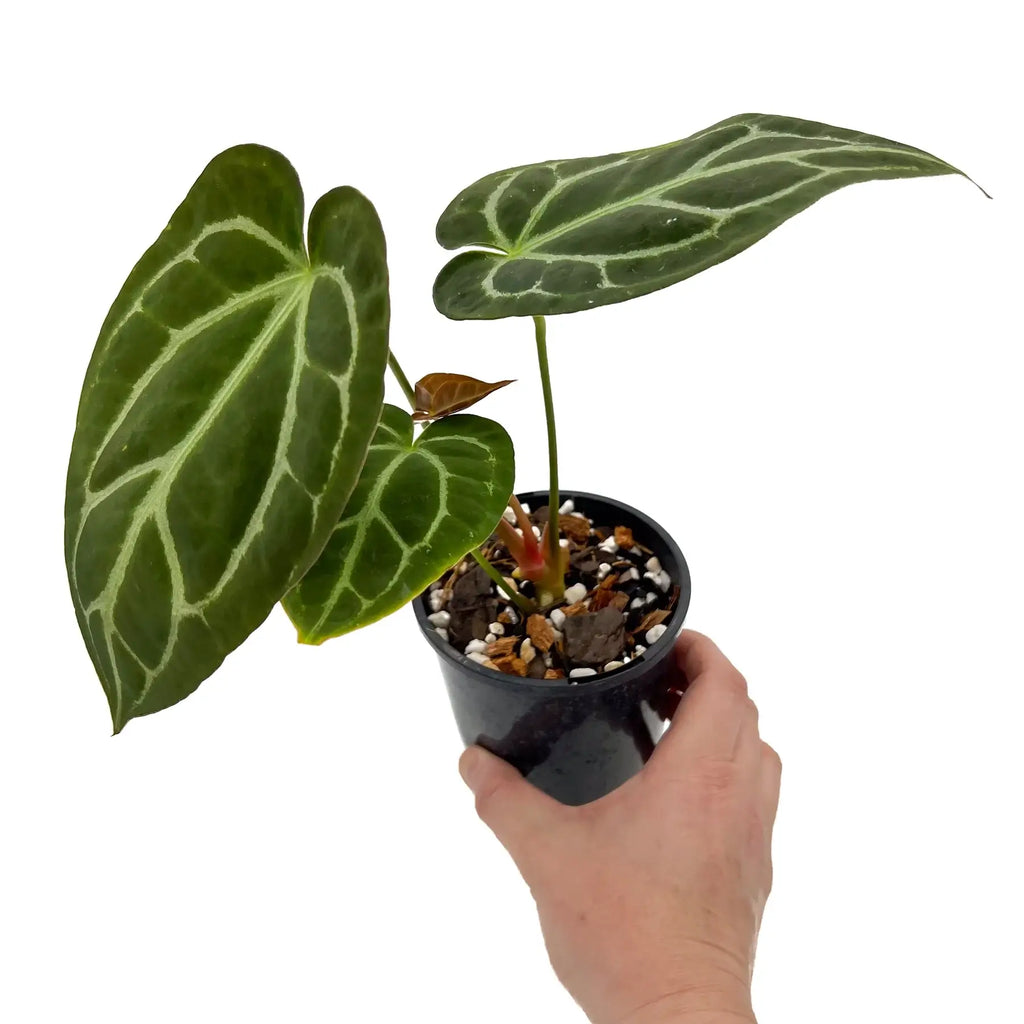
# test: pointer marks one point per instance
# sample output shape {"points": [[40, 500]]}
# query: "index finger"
{"points": [[694, 654], [716, 714], [698, 655]]}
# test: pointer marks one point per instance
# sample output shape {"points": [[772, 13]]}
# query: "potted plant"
{"points": [[232, 448]]}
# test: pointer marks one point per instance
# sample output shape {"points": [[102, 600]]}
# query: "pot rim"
{"points": [[635, 669]]}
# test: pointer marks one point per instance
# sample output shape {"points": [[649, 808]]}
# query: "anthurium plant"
{"points": [[233, 449]]}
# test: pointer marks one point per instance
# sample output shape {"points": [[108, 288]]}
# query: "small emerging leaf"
{"points": [[441, 394], [576, 234], [418, 507]]}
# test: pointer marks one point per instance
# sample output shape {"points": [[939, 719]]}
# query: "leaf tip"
{"points": [[980, 188]]}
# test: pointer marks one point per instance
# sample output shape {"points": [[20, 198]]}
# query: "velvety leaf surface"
{"points": [[441, 394], [418, 507], [224, 419], [575, 234]]}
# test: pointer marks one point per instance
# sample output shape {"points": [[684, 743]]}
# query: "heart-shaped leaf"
{"points": [[575, 234], [441, 394], [224, 419], [418, 508]]}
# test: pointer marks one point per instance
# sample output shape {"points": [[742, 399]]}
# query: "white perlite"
{"points": [[575, 594], [439, 619], [603, 569], [637, 602], [566, 507], [660, 579], [497, 627], [509, 515], [490, 638], [557, 618], [609, 545], [653, 565], [655, 633], [526, 651], [442, 633], [612, 665], [536, 532], [582, 673], [476, 646], [639, 649], [480, 659], [526, 508], [436, 600]]}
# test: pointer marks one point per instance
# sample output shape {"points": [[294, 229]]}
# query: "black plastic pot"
{"points": [[576, 742]]}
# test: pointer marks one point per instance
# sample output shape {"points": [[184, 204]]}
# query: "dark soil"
{"points": [[626, 596]]}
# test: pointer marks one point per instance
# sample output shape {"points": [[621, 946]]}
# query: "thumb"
{"points": [[520, 815]]}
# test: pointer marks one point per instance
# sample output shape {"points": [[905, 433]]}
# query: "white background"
{"points": [[830, 424]]}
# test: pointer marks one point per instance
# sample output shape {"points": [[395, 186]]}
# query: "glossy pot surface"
{"points": [[579, 741]]}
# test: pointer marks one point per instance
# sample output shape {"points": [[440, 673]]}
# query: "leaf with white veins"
{"points": [[576, 234], [418, 507], [224, 419]]}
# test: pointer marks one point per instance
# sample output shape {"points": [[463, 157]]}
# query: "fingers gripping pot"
{"points": [[575, 741]]}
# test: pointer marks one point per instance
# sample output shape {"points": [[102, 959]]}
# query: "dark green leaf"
{"points": [[418, 508], [224, 419], [575, 234]]}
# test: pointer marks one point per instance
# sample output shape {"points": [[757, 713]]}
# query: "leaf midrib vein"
{"points": [[618, 160], [409, 550], [362, 525], [372, 510], [537, 242], [279, 465], [244, 224], [181, 336], [157, 494]]}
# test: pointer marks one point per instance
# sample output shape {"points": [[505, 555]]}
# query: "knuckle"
{"points": [[735, 684], [489, 795], [771, 755]]}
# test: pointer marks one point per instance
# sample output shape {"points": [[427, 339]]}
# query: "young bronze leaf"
{"points": [[575, 234], [418, 507], [441, 394], [232, 394]]}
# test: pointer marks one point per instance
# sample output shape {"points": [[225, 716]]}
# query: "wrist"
{"points": [[696, 1006], [668, 1015]]}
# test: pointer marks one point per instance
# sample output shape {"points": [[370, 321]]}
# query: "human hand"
{"points": [[650, 899]]}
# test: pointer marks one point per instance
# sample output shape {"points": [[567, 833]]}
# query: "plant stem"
{"points": [[403, 381], [524, 604], [549, 413]]}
